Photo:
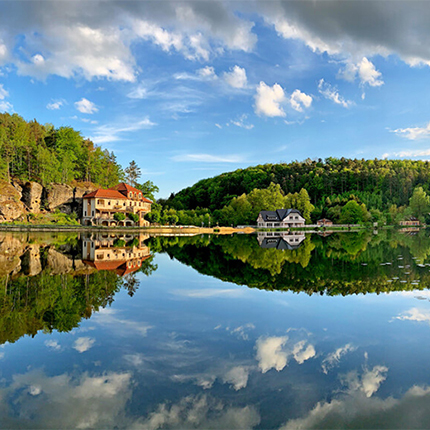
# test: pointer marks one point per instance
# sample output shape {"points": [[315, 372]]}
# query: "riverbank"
{"points": [[165, 230]]}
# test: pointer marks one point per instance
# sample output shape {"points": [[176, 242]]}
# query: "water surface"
{"points": [[215, 332]]}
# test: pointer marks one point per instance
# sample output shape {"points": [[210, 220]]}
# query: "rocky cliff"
{"points": [[18, 199]]}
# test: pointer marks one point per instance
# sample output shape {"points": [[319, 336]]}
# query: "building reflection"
{"points": [[280, 239], [123, 254]]}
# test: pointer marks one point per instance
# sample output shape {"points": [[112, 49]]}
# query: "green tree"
{"points": [[419, 202], [133, 173]]}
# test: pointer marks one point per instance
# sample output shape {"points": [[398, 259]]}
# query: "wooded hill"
{"points": [[380, 185], [30, 151]]}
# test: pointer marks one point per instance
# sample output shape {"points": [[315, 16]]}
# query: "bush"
{"points": [[119, 243], [119, 216], [133, 217]]}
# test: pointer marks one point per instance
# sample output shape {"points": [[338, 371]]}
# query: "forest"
{"points": [[343, 190], [30, 151]]}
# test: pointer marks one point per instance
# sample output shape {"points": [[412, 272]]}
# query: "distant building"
{"points": [[281, 218], [410, 222], [101, 205], [324, 222]]}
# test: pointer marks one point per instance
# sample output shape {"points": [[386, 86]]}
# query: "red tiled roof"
{"points": [[125, 188], [120, 191], [111, 194]]}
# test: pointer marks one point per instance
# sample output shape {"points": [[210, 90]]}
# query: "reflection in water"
{"points": [[193, 351], [48, 284], [280, 239]]}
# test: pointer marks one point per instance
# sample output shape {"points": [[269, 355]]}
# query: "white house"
{"points": [[281, 218]]}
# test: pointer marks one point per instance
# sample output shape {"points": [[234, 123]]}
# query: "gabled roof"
{"points": [[278, 215], [124, 188], [120, 191], [109, 194]]}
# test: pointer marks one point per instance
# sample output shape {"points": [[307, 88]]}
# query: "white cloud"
{"points": [[299, 100], [368, 383], [303, 352], [85, 106], [333, 359], [113, 133], [83, 344], [107, 317], [331, 93], [208, 158], [207, 72], [53, 344], [274, 352], [240, 122], [241, 331], [6, 106], [3, 92], [200, 412], [55, 105], [270, 354], [236, 78], [414, 133], [415, 314], [237, 376], [268, 100], [63, 401], [368, 74]]}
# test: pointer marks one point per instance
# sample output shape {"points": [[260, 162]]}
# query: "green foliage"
{"points": [[119, 216], [34, 152], [419, 203], [133, 217], [378, 184], [132, 173], [119, 243]]}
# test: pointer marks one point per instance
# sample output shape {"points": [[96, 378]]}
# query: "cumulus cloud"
{"points": [[273, 352], [299, 101], [207, 72], [333, 359], [55, 105], [200, 412], [331, 93], [367, 383], [237, 377], [88, 401], [415, 314], [53, 344], [85, 106], [83, 344], [268, 100], [95, 41], [236, 77], [413, 133], [368, 74], [351, 411]]}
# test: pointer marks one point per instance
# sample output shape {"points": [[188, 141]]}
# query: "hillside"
{"points": [[377, 183]]}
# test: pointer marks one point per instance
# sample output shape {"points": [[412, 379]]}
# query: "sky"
{"points": [[190, 90]]}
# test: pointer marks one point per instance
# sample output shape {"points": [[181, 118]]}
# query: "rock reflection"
{"points": [[52, 282]]}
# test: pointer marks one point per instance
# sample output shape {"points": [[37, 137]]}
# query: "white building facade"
{"points": [[281, 218]]}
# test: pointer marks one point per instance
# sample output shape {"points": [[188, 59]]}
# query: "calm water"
{"points": [[215, 332]]}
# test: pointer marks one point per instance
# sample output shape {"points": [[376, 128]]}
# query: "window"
{"points": [[130, 194], [85, 213], [296, 217], [123, 204], [109, 203], [92, 213], [140, 195]]}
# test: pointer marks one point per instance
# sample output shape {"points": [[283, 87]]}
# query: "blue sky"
{"points": [[193, 89]]}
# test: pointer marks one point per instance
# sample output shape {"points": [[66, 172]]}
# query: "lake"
{"points": [[244, 331]]}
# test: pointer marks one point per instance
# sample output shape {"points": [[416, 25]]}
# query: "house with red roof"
{"points": [[100, 206]]}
